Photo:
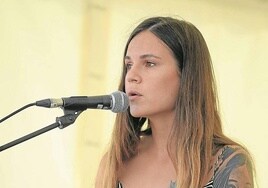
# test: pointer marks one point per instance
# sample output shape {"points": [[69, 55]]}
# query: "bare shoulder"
{"points": [[233, 168]]}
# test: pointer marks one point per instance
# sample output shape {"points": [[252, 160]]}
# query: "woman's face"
{"points": [[152, 79]]}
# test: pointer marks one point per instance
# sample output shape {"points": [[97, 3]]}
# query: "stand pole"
{"points": [[61, 122], [29, 136]]}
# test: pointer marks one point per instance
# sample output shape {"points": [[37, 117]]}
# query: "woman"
{"points": [[171, 136]]}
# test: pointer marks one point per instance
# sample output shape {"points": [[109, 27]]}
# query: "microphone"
{"points": [[116, 102]]}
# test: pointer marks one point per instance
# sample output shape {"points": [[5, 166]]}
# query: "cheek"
{"points": [[166, 90], [171, 88], [169, 84]]}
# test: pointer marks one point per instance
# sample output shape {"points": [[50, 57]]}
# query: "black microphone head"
{"points": [[120, 102]]}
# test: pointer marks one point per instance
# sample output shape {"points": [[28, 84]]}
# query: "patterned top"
{"points": [[217, 164], [173, 185]]}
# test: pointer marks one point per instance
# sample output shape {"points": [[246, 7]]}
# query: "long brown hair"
{"points": [[197, 133]]}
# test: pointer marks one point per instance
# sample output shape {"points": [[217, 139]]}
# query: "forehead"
{"points": [[147, 43]]}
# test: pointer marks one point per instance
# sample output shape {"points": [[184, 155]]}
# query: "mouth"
{"points": [[133, 94]]}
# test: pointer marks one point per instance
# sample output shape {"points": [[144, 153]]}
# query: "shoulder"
{"points": [[233, 167]]}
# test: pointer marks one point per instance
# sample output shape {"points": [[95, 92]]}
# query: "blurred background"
{"points": [[62, 48]]}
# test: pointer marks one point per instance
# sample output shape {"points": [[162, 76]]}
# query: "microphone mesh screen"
{"points": [[119, 102]]}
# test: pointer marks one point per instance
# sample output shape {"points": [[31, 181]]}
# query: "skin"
{"points": [[152, 84], [153, 76], [152, 73], [234, 170]]}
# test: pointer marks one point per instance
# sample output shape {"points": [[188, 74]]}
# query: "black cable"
{"points": [[17, 111]]}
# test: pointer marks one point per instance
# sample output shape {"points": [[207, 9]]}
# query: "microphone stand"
{"points": [[67, 119]]}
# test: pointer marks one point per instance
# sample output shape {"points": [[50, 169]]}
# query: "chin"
{"points": [[136, 114]]}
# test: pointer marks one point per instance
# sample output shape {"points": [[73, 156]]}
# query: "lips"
{"points": [[133, 94]]}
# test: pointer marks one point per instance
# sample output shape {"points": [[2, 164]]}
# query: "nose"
{"points": [[133, 75]]}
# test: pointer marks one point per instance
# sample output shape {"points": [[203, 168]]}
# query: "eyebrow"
{"points": [[144, 56]]}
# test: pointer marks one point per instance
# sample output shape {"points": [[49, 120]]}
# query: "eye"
{"points": [[150, 64], [128, 66]]}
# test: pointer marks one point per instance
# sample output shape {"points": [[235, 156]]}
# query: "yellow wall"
{"points": [[64, 48], [39, 58]]}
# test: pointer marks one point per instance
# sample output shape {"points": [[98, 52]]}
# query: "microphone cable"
{"points": [[17, 111]]}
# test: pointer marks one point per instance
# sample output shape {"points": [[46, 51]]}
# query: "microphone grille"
{"points": [[120, 102]]}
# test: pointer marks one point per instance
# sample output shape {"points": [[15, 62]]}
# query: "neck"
{"points": [[161, 129]]}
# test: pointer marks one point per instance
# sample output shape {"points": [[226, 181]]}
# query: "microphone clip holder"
{"points": [[68, 118]]}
